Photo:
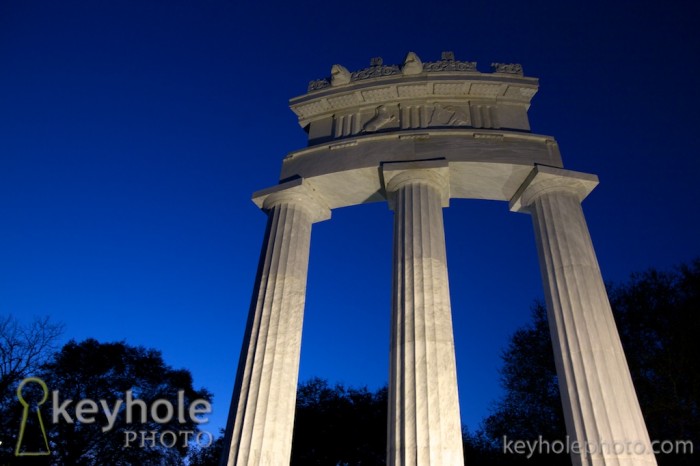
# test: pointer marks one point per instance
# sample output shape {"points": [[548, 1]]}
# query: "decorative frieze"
{"points": [[486, 89], [377, 69], [484, 116], [510, 68], [318, 84], [456, 88], [415, 95], [382, 117], [412, 65], [448, 63], [413, 90], [379, 94], [416, 116]]}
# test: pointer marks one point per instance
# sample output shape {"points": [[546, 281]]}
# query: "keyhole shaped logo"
{"points": [[40, 450]]}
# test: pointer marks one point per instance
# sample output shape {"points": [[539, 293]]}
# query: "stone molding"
{"points": [[449, 82], [433, 172], [416, 88], [297, 191], [543, 179]]}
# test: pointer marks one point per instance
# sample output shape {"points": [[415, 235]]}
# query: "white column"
{"points": [[600, 405], [261, 420], [424, 425]]}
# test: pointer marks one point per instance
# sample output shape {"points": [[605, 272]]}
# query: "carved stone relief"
{"points": [[407, 116], [510, 68], [484, 116], [448, 115], [383, 116], [339, 75], [412, 64], [347, 125]]}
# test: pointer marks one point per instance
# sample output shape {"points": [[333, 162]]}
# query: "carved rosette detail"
{"points": [[375, 72], [510, 68], [449, 65], [317, 84]]}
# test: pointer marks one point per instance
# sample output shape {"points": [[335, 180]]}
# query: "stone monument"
{"points": [[418, 135]]}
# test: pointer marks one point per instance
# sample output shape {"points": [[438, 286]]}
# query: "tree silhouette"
{"points": [[658, 321], [339, 426], [209, 455], [333, 426], [106, 371], [531, 405], [657, 315], [23, 349]]}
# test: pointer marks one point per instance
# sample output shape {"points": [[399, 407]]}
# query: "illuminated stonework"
{"points": [[417, 135]]}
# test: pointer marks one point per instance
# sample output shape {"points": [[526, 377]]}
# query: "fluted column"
{"points": [[261, 419], [600, 405], [424, 425]]}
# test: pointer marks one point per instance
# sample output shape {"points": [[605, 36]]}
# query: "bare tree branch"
{"points": [[24, 348]]}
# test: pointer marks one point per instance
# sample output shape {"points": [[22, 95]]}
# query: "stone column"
{"points": [[261, 419], [600, 405], [424, 425]]}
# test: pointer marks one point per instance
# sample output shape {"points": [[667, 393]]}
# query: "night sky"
{"points": [[132, 134]]}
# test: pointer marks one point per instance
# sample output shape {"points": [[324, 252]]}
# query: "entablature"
{"points": [[415, 95]]}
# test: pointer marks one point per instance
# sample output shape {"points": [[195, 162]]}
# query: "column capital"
{"points": [[298, 191], [543, 179], [434, 172]]}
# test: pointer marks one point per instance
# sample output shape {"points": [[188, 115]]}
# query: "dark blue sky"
{"points": [[132, 134]]}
